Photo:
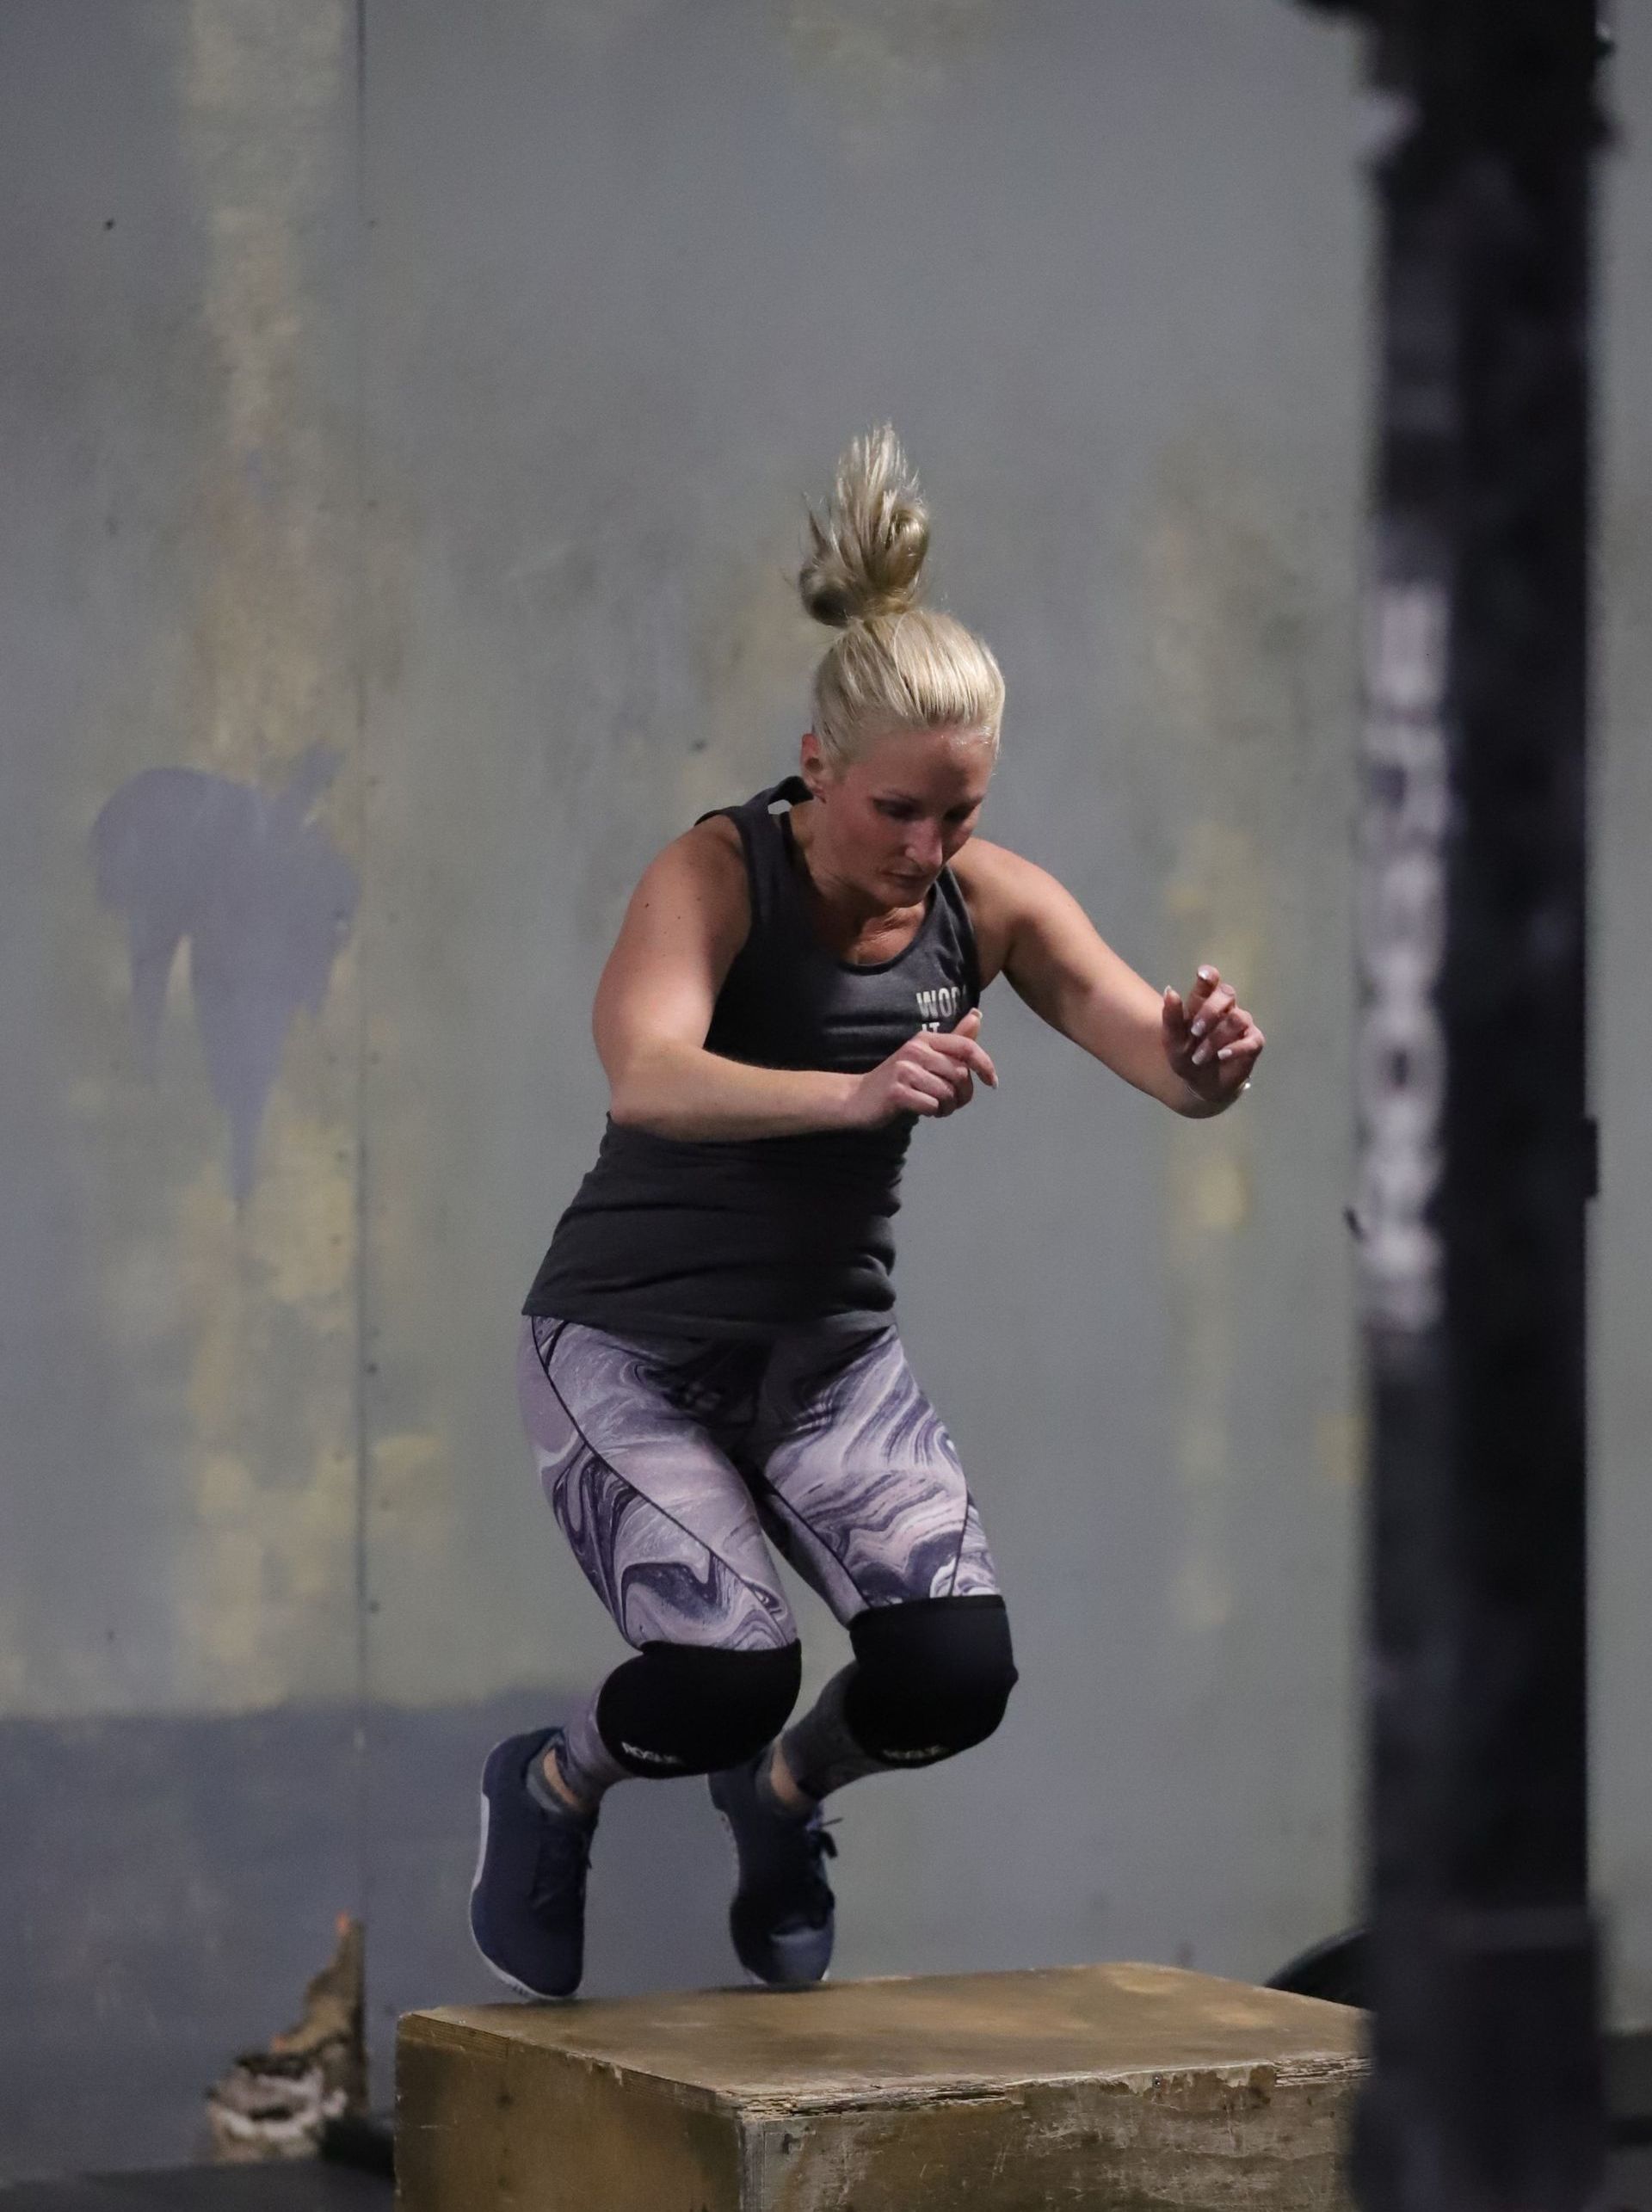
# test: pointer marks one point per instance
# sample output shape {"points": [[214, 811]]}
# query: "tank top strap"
{"points": [[959, 925], [763, 844]]}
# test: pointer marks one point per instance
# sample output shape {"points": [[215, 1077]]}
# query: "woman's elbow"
{"points": [[628, 1102], [639, 1092]]}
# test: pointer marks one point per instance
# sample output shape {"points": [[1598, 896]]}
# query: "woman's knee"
{"points": [[691, 1709], [933, 1677]]}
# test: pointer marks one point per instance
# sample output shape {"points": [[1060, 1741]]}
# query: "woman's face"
{"points": [[886, 824]]}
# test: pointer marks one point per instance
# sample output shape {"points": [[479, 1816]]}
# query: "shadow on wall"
{"points": [[265, 899]]}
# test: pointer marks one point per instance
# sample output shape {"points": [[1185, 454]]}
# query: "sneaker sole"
{"points": [[499, 1974]]}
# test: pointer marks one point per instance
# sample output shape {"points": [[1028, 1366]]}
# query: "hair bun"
{"points": [[866, 551]]}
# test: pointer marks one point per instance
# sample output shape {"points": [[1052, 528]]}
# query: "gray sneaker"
{"points": [[781, 1918]]}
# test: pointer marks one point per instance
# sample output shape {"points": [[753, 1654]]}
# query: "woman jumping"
{"points": [[708, 1362]]}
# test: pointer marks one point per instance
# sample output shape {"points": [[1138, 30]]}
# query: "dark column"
{"points": [[1475, 1153]]}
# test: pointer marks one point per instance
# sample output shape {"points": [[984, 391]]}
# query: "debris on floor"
{"points": [[275, 2103]]}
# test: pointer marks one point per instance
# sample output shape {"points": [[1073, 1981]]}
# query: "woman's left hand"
{"points": [[1210, 1040]]}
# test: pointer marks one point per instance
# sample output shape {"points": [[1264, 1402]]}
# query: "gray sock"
{"points": [[821, 1754], [589, 1767]]}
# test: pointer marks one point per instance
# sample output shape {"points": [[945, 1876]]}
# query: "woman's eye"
{"points": [[955, 820]]}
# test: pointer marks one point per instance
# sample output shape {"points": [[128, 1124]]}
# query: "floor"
{"points": [[306, 2186], [318, 2187]]}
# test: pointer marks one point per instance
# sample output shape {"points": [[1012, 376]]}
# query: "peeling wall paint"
{"points": [[266, 872], [1244, 612], [180, 1376], [267, 109], [879, 62], [1225, 617]]}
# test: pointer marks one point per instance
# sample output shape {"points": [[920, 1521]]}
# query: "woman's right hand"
{"points": [[932, 1073]]}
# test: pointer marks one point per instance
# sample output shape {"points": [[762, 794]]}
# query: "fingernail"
{"points": [[1207, 975], [1198, 1029], [1224, 1052], [1201, 1055]]}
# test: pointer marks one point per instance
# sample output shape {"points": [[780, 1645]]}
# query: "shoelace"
{"points": [[551, 1865], [819, 1846]]}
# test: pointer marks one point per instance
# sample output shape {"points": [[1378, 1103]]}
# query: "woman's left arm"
{"points": [[1196, 1055]]}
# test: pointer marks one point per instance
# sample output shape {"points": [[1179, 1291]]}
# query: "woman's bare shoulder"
{"points": [[997, 886], [708, 864], [997, 880], [691, 904], [716, 833], [990, 865], [709, 854]]}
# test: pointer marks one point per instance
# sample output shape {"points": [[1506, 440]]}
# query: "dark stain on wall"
{"points": [[262, 896]]}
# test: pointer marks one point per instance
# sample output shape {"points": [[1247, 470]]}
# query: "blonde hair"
{"points": [[897, 665]]}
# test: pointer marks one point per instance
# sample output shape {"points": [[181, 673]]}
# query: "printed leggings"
{"points": [[671, 1467]]}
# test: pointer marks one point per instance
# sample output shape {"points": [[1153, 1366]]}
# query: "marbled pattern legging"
{"points": [[668, 1465]]}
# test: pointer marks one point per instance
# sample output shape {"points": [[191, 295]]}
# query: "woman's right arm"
{"points": [[686, 922]]}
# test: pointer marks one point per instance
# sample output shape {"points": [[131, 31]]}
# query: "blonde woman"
{"points": [[709, 1364]]}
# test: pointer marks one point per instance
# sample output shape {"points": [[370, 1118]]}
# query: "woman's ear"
{"points": [[814, 765]]}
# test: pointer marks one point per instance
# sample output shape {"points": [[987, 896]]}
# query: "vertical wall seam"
{"points": [[363, 1340]]}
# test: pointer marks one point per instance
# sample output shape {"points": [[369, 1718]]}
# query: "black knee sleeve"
{"points": [[685, 1709], [933, 1677]]}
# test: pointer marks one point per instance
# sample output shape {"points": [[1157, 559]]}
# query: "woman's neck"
{"points": [[842, 912]]}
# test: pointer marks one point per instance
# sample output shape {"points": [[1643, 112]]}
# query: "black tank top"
{"points": [[748, 1237]]}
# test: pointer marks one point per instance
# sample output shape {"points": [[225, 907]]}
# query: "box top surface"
{"points": [[917, 2035]]}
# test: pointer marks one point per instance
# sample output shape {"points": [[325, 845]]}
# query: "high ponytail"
{"points": [[866, 551], [897, 665]]}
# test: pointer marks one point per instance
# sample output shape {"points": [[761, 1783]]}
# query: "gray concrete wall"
{"points": [[407, 415]]}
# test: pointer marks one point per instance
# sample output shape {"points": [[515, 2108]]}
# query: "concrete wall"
{"points": [[407, 412]]}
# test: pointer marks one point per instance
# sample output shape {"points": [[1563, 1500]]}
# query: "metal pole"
{"points": [[1476, 1154]]}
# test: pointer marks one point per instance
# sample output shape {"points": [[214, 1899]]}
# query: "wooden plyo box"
{"points": [[1111, 2088]]}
